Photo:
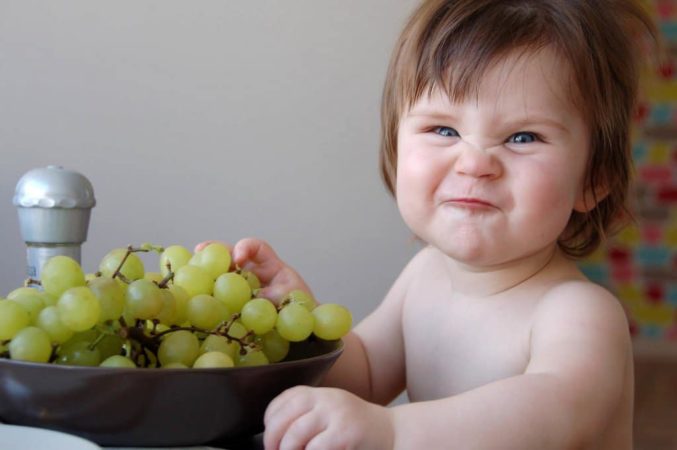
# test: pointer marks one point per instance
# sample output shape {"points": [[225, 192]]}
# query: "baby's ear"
{"points": [[589, 197]]}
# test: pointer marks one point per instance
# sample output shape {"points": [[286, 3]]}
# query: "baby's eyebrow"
{"points": [[536, 120]]}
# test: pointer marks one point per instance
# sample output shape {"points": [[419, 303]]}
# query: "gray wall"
{"points": [[210, 120]]}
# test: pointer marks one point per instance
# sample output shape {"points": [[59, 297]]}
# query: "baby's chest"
{"points": [[451, 350]]}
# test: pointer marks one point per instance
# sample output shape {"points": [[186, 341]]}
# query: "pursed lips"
{"points": [[468, 203]]}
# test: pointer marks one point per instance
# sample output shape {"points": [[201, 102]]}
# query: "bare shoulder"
{"points": [[580, 303], [581, 329]]}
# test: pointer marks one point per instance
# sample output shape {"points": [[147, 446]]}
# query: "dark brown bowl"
{"points": [[155, 407]]}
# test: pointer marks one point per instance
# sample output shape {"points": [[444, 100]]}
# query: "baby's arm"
{"points": [[573, 385]]}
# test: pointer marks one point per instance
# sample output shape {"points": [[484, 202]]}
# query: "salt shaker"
{"points": [[54, 205]]}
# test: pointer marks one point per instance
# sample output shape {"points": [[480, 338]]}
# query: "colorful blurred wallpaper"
{"points": [[640, 264]]}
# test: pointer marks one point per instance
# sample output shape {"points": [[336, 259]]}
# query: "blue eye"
{"points": [[445, 131], [523, 137]]}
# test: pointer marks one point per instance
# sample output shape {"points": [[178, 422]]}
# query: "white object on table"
{"points": [[15, 437]]}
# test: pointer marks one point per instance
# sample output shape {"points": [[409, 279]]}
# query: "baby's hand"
{"points": [[275, 275], [325, 418]]}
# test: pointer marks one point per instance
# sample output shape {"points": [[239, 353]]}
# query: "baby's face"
{"points": [[495, 177]]}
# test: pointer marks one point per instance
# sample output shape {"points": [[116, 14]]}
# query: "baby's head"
{"points": [[449, 44]]}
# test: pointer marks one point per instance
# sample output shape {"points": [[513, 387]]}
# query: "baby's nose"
{"points": [[477, 160]]}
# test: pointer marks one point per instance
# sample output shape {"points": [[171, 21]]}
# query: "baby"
{"points": [[506, 146]]}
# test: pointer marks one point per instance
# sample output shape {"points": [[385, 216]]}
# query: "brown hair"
{"points": [[448, 44]]}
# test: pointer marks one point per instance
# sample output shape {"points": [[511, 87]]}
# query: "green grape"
{"points": [[205, 312], [31, 344], [61, 273], [214, 259], [275, 347], [302, 297], [155, 277], [252, 279], [179, 346], [237, 330], [194, 280], [331, 321], [111, 297], [177, 256], [78, 353], [143, 299], [109, 345], [259, 315], [233, 290], [175, 365], [294, 322], [47, 299], [168, 314], [50, 321], [79, 308], [216, 343], [132, 269], [32, 303], [252, 358], [213, 359], [181, 298], [117, 361], [13, 318]]}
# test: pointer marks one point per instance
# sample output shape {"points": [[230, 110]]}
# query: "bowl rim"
{"points": [[155, 370]]}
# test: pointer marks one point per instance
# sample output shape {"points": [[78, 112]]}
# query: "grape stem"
{"points": [[32, 282], [130, 249]]}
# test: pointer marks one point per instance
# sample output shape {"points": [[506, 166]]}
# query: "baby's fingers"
{"points": [[281, 413], [302, 430], [259, 257]]}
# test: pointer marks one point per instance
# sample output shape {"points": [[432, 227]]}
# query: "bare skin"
{"points": [[553, 370], [497, 337]]}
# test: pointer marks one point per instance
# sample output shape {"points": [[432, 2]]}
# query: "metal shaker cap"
{"points": [[54, 187]]}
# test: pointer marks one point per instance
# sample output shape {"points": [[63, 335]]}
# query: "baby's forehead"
{"points": [[540, 73]]}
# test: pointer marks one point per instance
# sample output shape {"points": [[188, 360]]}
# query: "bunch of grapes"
{"points": [[197, 311]]}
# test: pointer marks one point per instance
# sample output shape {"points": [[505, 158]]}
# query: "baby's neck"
{"points": [[471, 281]]}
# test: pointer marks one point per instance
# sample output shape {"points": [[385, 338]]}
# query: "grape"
{"points": [[181, 298], [79, 308], [132, 269], [155, 277], [32, 303], [194, 280], [50, 321], [31, 344], [168, 314], [215, 343], [109, 345], [117, 361], [213, 359], [179, 346], [144, 299], [294, 322], [302, 297], [214, 259], [46, 298], [78, 353], [252, 279], [175, 365], [275, 347], [259, 315], [206, 312], [331, 321], [237, 330], [110, 295], [13, 318], [61, 273], [252, 358], [233, 290], [177, 255]]}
